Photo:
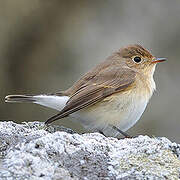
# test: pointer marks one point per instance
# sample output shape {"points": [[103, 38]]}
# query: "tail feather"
{"points": [[19, 98], [51, 101]]}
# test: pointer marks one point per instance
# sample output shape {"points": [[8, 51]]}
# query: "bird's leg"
{"points": [[123, 133], [102, 133]]}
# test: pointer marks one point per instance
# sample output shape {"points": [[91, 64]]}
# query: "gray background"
{"points": [[46, 45]]}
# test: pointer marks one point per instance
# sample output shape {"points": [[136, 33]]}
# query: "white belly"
{"points": [[122, 111]]}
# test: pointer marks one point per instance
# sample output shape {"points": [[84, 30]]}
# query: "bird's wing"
{"points": [[107, 82]]}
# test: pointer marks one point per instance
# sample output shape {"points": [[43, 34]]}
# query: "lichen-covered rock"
{"points": [[33, 151], [12, 133]]}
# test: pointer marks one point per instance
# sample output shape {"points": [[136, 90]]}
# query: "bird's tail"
{"points": [[48, 100], [19, 98]]}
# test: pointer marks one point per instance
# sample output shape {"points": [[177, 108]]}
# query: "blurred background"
{"points": [[46, 45]]}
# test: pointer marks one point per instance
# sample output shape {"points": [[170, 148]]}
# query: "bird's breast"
{"points": [[122, 110]]}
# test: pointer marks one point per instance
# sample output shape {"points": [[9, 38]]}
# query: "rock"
{"points": [[34, 151]]}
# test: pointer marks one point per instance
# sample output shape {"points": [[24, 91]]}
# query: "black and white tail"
{"points": [[51, 101], [19, 98]]}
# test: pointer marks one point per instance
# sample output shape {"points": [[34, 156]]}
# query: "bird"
{"points": [[110, 98]]}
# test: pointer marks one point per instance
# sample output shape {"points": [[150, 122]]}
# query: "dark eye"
{"points": [[137, 59]]}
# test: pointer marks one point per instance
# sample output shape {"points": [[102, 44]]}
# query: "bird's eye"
{"points": [[137, 59]]}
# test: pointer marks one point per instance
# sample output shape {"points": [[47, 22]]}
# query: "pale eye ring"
{"points": [[137, 59]]}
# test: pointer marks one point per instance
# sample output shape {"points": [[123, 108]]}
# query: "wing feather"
{"points": [[105, 83]]}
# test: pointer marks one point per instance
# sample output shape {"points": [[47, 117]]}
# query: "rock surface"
{"points": [[34, 151]]}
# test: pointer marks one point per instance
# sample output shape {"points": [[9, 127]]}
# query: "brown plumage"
{"points": [[104, 80], [89, 91], [113, 94]]}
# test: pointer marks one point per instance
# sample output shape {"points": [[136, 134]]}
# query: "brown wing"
{"points": [[105, 83]]}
